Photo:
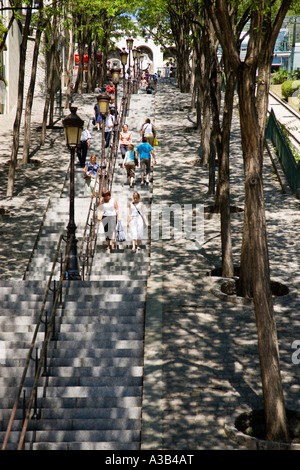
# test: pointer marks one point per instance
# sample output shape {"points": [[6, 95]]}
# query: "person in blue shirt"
{"points": [[144, 153], [97, 115], [129, 164], [90, 174]]}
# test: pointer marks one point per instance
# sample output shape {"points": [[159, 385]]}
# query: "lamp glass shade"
{"points": [[129, 42], [72, 136], [103, 102], [123, 56], [73, 126], [134, 53], [115, 72]]}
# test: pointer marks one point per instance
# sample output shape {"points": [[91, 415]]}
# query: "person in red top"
{"points": [[111, 88]]}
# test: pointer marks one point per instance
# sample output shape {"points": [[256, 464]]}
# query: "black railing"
{"points": [[41, 362]]}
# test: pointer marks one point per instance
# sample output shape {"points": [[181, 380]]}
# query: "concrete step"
{"points": [[85, 446], [81, 436], [91, 397], [105, 357], [79, 413]]}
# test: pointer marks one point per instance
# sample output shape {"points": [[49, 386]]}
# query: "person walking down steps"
{"points": [[130, 163], [110, 215], [84, 145], [137, 221], [148, 130], [125, 139], [90, 171], [144, 153]]}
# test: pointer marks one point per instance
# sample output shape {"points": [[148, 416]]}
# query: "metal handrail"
{"points": [[88, 240], [36, 240], [44, 350], [29, 355]]}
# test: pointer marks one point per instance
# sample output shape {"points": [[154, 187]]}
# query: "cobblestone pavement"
{"points": [[208, 367], [35, 183], [201, 359]]}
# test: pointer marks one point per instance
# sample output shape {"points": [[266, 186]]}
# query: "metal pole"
{"points": [[73, 265]]}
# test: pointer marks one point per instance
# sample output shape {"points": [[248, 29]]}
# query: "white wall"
{"points": [[156, 51], [11, 59]]}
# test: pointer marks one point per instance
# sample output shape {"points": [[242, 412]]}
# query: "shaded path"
{"points": [[201, 353]]}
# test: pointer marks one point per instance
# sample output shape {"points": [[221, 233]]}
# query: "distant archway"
{"points": [[147, 63]]}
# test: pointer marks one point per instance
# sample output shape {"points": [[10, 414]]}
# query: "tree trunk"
{"points": [[30, 93], [252, 144], [215, 100], [180, 25], [78, 88], [265, 24], [222, 200], [70, 68], [48, 95], [89, 88], [197, 82], [183, 79], [95, 63], [205, 130], [17, 123]]}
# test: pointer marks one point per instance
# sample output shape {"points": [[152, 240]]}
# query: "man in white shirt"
{"points": [[84, 145], [109, 124]]}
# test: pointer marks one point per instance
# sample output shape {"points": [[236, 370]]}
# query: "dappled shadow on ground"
{"points": [[34, 184], [210, 363]]}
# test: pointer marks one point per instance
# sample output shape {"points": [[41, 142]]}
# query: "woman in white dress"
{"points": [[136, 221], [111, 215]]}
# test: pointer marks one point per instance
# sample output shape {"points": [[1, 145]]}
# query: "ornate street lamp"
{"points": [[73, 126], [123, 56], [134, 56], [129, 42], [103, 104], [115, 73], [141, 62]]}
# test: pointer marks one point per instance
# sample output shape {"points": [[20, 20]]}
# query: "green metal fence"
{"points": [[285, 156]]}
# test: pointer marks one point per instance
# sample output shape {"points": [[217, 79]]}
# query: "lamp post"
{"points": [[73, 126], [134, 56], [123, 56], [129, 42], [115, 73], [141, 63], [103, 104], [139, 52]]}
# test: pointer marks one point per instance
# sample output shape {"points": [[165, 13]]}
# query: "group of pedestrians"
{"points": [[137, 219], [131, 158], [142, 155], [110, 216]]}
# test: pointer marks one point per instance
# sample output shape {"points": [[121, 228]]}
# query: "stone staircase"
{"points": [[91, 396]]}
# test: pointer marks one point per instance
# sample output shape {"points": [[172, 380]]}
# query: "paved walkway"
{"points": [[201, 360]]}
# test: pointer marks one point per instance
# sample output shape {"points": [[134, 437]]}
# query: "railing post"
{"points": [[45, 372], [35, 414], [24, 414]]}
